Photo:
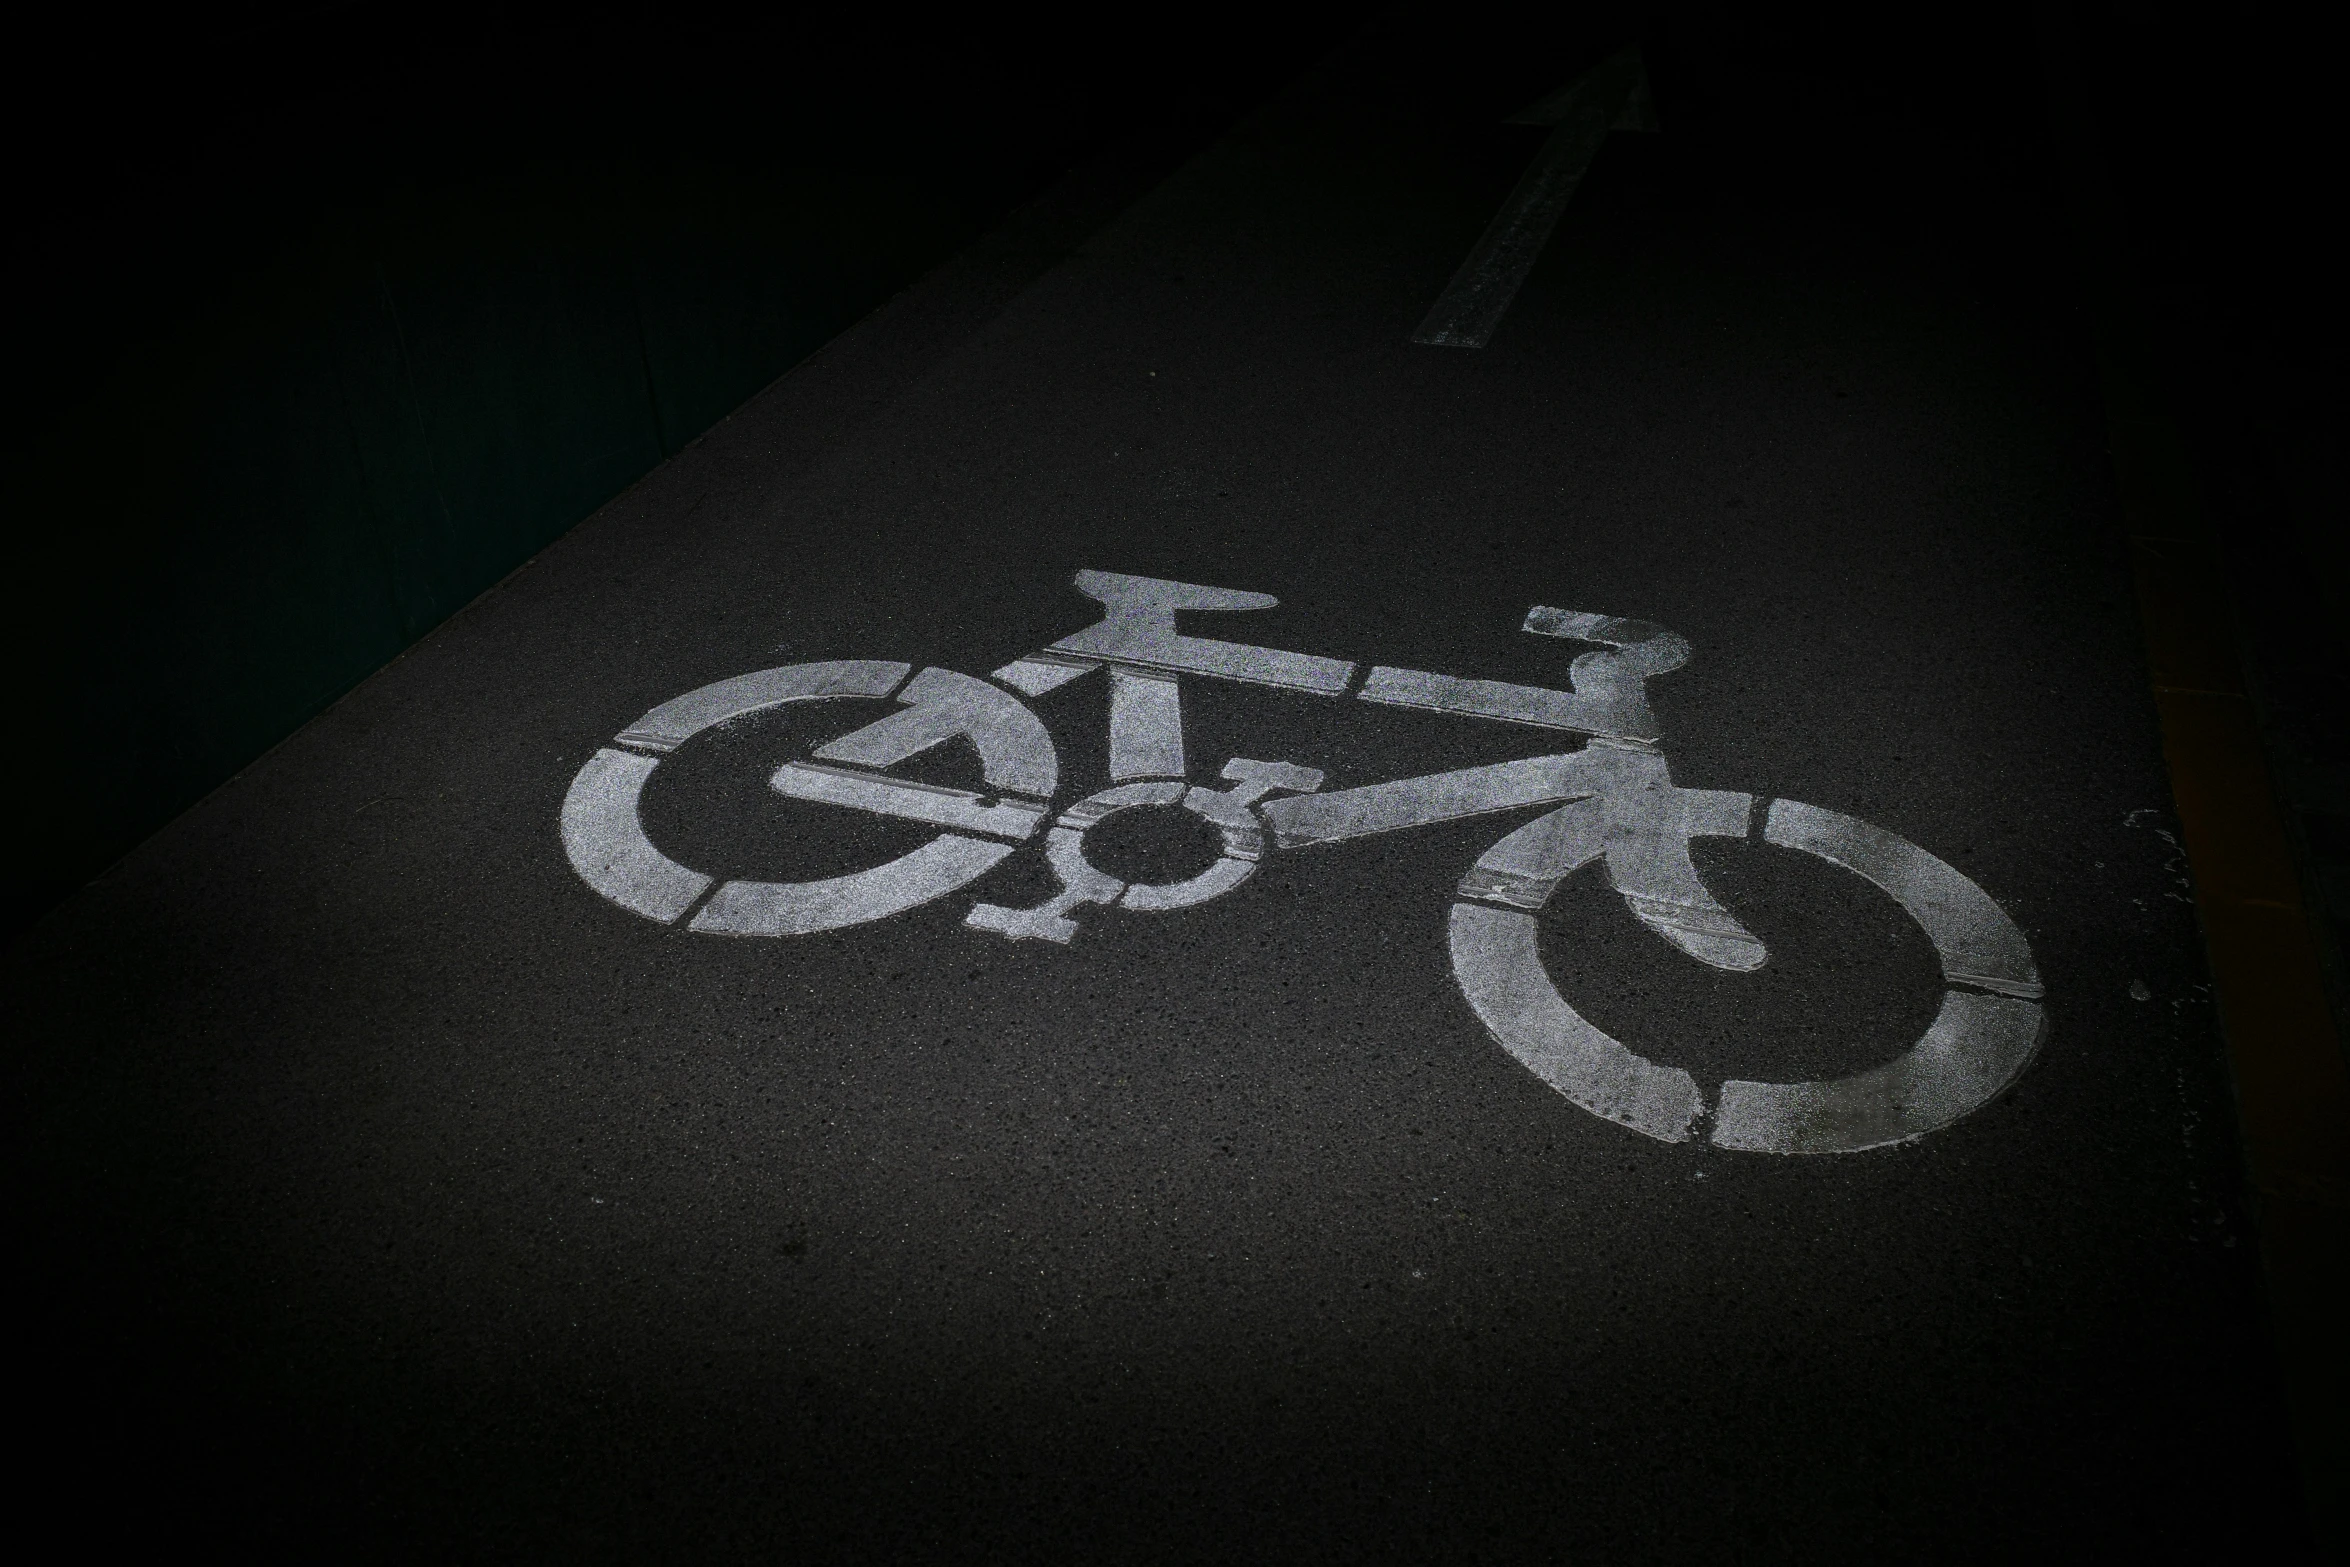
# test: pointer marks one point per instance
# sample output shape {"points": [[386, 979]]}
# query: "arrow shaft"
{"points": [[1480, 293]]}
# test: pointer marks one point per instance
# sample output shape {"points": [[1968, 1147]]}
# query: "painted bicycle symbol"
{"points": [[1613, 801]]}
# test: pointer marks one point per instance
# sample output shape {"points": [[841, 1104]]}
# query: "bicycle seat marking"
{"points": [[1611, 802]]}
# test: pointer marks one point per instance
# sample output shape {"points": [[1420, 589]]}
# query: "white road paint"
{"points": [[675, 722], [1139, 628], [1083, 883], [608, 846], [1616, 680], [1977, 1045], [1422, 801], [1613, 96], [1612, 803], [1609, 698], [603, 827], [799, 908], [1634, 819], [1537, 705], [1146, 725], [1251, 782], [1494, 958], [1042, 672], [1014, 750], [602, 831], [907, 800], [1978, 943]]}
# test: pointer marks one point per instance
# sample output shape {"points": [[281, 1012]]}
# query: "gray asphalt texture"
{"points": [[387, 1194]]}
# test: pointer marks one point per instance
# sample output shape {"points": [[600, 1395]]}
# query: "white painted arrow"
{"points": [[1612, 96]]}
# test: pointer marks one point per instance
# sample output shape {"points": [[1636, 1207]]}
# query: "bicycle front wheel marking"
{"points": [[1976, 1046], [1494, 957], [1989, 1027]]}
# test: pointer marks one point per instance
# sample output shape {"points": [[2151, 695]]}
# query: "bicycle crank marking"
{"points": [[1082, 882], [1610, 804]]}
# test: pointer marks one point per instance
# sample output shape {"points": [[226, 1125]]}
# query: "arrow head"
{"points": [[1617, 87], [1639, 111]]}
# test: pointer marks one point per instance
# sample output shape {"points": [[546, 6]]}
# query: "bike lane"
{"points": [[410, 1191]]}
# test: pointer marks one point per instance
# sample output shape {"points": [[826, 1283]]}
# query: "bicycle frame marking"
{"points": [[1612, 802]]}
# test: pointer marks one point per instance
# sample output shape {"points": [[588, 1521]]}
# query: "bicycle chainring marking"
{"points": [[1082, 882]]}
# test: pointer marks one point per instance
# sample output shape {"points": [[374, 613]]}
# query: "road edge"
{"points": [[2284, 1051]]}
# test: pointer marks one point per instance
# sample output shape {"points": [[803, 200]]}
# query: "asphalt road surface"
{"points": [[389, 1192]]}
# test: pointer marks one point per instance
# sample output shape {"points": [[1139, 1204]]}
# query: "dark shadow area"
{"points": [[327, 317], [2231, 276], [2211, 275]]}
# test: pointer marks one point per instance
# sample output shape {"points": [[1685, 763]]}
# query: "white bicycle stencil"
{"points": [[1613, 802]]}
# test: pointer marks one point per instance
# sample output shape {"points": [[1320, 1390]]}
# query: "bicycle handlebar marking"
{"points": [[1612, 803]]}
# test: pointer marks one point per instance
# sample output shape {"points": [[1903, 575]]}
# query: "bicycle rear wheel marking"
{"points": [[607, 842], [1976, 1046], [679, 719], [604, 835], [798, 908]]}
